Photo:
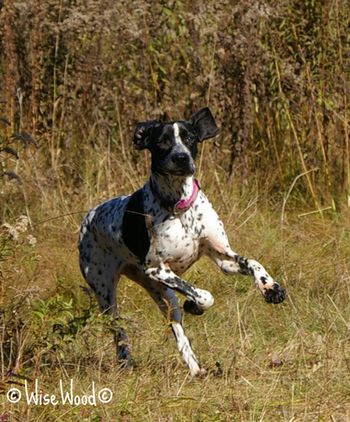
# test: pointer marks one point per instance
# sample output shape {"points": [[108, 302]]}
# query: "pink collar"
{"points": [[182, 205], [185, 204]]}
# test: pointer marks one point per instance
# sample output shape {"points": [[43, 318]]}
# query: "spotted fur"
{"points": [[146, 238]]}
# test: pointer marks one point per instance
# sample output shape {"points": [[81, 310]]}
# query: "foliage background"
{"points": [[75, 77]]}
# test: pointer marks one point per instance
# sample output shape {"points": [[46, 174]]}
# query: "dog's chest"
{"points": [[176, 239]]}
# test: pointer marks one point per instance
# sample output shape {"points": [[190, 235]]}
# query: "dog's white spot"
{"points": [[177, 134], [179, 145]]}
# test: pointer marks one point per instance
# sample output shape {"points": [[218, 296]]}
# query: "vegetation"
{"points": [[75, 77]]}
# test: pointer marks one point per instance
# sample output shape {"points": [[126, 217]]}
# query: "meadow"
{"points": [[75, 77]]}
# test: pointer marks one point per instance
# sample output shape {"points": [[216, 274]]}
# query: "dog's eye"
{"points": [[190, 139], [164, 141]]}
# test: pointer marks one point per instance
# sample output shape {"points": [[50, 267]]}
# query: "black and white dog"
{"points": [[155, 234]]}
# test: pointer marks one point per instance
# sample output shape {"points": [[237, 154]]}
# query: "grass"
{"points": [[75, 77], [288, 362]]}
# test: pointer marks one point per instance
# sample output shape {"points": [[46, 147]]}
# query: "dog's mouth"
{"points": [[185, 170], [178, 169], [181, 171]]}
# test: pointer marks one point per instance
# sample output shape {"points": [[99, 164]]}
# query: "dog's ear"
{"points": [[204, 123], [143, 133]]}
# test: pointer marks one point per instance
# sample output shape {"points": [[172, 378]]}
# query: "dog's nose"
{"points": [[180, 158]]}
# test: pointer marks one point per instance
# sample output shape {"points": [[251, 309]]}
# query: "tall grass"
{"points": [[75, 76], [78, 75]]}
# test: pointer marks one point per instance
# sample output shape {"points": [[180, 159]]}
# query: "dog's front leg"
{"points": [[232, 263], [163, 274]]}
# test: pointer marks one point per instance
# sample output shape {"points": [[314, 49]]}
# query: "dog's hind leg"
{"points": [[102, 274]]}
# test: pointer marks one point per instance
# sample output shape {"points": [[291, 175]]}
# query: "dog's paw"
{"points": [[218, 372], [126, 364], [204, 299], [200, 373], [274, 294], [192, 308]]}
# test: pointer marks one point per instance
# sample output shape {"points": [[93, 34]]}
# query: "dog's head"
{"points": [[173, 145]]}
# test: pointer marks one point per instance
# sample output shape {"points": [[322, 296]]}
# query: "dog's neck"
{"points": [[172, 189]]}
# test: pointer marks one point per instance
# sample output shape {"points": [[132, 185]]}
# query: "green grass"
{"points": [[286, 362]]}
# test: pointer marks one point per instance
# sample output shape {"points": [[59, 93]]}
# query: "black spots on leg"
{"points": [[263, 280], [275, 295], [232, 266], [155, 272], [244, 265], [123, 351], [176, 283]]}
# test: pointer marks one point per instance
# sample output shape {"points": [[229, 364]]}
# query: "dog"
{"points": [[155, 234]]}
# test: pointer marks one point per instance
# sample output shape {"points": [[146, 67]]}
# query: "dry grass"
{"points": [[288, 362], [74, 78], [275, 74]]}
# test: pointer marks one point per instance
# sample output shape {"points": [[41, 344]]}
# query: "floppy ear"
{"points": [[204, 123], [143, 133]]}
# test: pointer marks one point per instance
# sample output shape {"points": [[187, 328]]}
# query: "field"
{"points": [[75, 77], [266, 362]]}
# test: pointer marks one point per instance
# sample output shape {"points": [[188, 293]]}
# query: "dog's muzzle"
{"points": [[182, 163]]}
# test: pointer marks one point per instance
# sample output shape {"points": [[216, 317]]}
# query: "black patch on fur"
{"points": [[134, 230], [192, 308], [275, 295]]}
